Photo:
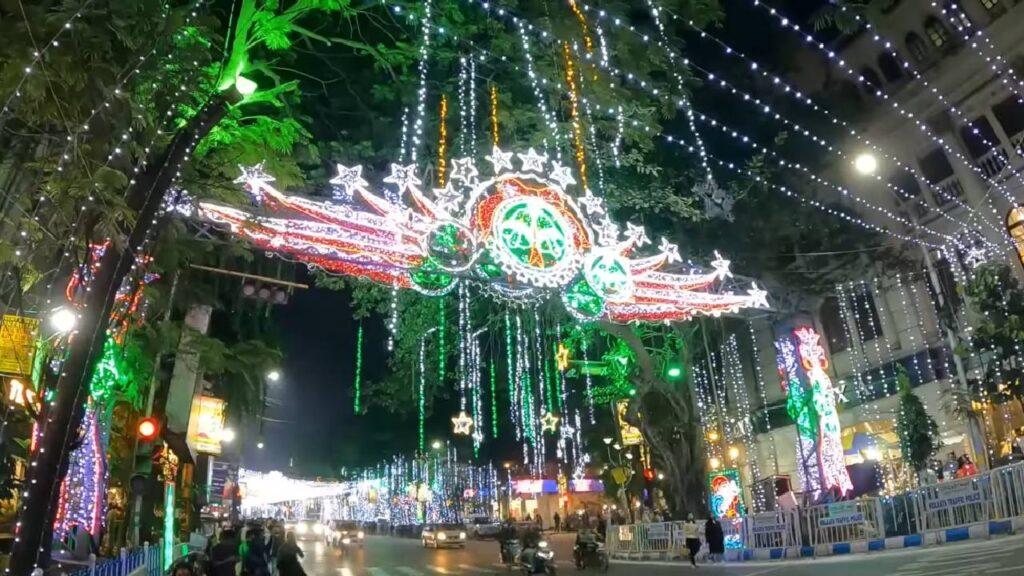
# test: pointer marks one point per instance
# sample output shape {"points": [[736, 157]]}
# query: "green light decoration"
{"points": [[431, 278], [619, 363], [548, 384], [357, 384], [245, 86], [494, 399], [532, 233], [168, 524], [420, 392], [106, 378], [583, 301]]}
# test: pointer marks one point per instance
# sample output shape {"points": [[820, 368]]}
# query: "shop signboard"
{"points": [[841, 514], [208, 419], [17, 344]]}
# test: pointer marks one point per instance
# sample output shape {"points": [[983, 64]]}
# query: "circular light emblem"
{"points": [[532, 240], [609, 275], [452, 246]]}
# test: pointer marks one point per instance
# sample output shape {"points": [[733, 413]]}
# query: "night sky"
{"points": [[309, 419]]}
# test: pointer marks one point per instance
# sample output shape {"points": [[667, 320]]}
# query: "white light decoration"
{"points": [[350, 179], [273, 375], [462, 424], [63, 320], [517, 234], [532, 161], [549, 422], [866, 163], [499, 160]]}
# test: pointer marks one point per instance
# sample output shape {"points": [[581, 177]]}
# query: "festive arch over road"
{"points": [[518, 233]]}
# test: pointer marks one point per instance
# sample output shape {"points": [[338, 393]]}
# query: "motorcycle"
{"points": [[510, 551], [540, 560], [590, 555]]}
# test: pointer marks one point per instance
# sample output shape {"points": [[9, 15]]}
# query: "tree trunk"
{"points": [[50, 462]]}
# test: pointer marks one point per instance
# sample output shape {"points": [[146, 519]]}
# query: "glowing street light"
{"points": [[227, 435], [436, 445], [866, 163], [734, 452], [260, 445], [63, 320], [607, 441], [674, 372], [273, 375]]}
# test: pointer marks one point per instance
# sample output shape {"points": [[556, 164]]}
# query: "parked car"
{"points": [[482, 527], [344, 534], [444, 536]]}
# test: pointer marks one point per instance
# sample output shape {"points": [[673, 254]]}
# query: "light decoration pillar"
{"points": [[357, 381], [83, 493], [1015, 228], [579, 145]]}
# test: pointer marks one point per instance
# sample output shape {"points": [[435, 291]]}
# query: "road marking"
{"points": [[950, 571], [409, 571], [345, 571]]}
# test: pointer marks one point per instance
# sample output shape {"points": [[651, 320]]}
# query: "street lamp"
{"points": [[607, 441], [436, 445], [260, 444], [273, 375], [865, 163], [63, 320], [227, 435]]}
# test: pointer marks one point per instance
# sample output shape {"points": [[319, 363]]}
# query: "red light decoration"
{"points": [[148, 429]]}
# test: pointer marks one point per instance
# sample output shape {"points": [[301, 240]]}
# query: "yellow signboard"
{"points": [[630, 434], [209, 427], [17, 344]]}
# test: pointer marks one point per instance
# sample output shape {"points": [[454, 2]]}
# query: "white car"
{"points": [[341, 534], [482, 528], [444, 536]]}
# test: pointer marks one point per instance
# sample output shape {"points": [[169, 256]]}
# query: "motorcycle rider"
{"points": [[506, 536], [586, 544], [531, 543]]}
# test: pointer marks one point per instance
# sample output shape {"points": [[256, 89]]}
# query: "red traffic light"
{"points": [[649, 474], [148, 429]]}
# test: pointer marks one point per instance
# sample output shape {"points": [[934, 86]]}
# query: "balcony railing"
{"points": [[948, 190], [993, 162]]}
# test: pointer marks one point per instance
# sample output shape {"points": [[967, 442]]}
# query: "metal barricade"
{"points": [[1008, 491], [955, 503], [777, 529], [847, 521]]}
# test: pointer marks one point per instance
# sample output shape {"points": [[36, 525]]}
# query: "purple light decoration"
{"points": [[83, 492]]}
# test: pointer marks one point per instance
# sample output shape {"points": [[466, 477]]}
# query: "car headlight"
{"points": [[543, 544], [545, 554], [462, 535], [442, 536], [346, 540], [360, 535]]}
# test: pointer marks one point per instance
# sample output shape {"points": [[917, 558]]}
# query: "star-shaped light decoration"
{"points": [[464, 170], [500, 160], [532, 161], [463, 424], [721, 266], [561, 174], [448, 198], [670, 250], [404, 177], [254, 177], [759, 297], [562, 357], [592, 204], [608, 232], [549, 422], [637, 235], [350, 180], [840, 392]]}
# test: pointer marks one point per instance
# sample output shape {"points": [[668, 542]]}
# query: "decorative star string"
{"points": [[463, 424], [637, 235], [840, 392], [500, 160], [717, 202], [254, 178], [592, 204], [449, 199], [562, 357], [532, 161], [670, 250], [464, 170], [350, 180], [561, 174], [549, 422], [759, 297], [721, 266], [404, 177]]}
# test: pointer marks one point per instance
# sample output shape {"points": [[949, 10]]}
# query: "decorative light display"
{"points": [[574, 115], [549, 422], [357, 380], [442, 142], [717, 202], [83, 493], [517, 233], [562, 357], [811, 402], [725, 493], [462, 424], [494, 115]]}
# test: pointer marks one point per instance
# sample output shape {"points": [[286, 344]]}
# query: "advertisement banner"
{"points": [[630, 434], [208, 416], [17, 344]]}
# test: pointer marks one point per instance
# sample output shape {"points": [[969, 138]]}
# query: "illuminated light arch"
{"points": [[518, 233]]}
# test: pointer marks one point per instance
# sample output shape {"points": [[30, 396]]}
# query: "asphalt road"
{"points": [[383, 556]]}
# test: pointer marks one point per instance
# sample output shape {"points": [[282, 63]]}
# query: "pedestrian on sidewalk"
{"points": [[691, 531], [288, 555], [715, 536], [224, 554], [558, 522]]}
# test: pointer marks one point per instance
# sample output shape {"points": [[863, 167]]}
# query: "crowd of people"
{"points": [[953, 468], [253, 549]]}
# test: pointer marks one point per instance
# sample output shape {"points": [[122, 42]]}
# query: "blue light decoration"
{"points": [[725, 492], [83, 492]]}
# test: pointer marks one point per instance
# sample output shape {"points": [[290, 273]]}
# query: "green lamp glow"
{"points": [[674, 372], [245, 86]]}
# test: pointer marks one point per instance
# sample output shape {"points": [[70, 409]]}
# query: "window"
{"points": [[834, 325], [870, 80], [1010, 114], [978, 136], [865, 314], [890, 67], [937, 33], [917, 48], [956, 15], [905, 185]]}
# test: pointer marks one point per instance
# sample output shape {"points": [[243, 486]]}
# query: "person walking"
{"points": [[691, 532], [288, 555], [558, 522], [715, 536], [224, 554]]}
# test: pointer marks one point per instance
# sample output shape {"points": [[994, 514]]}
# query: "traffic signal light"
{"points": [[148, 429]]}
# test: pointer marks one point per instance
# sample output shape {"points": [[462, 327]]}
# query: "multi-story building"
{"points": [[939, 104]]}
